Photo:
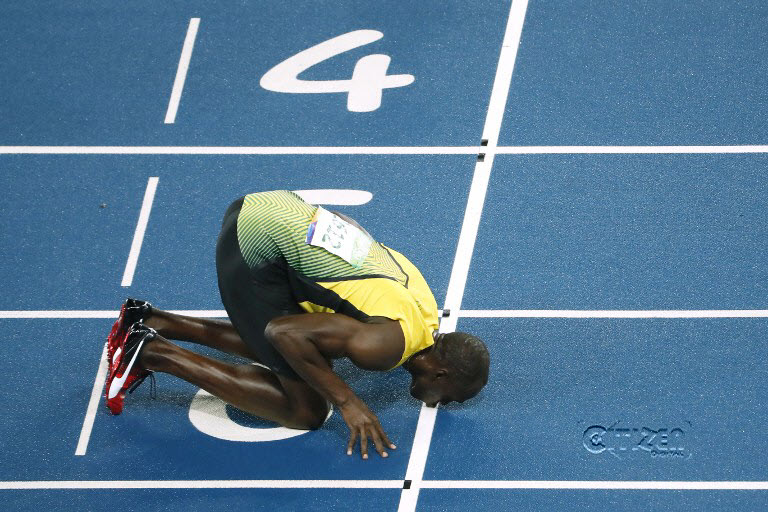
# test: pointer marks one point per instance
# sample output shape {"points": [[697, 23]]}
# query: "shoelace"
{"points": [[152, 385]]}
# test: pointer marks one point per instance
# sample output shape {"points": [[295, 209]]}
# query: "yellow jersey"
{"points": [[273, 227]]}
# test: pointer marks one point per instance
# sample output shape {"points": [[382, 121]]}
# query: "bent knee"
{"points": [[276, 329], [308, 417]]}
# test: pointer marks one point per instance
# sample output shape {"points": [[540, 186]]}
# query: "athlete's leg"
{"points": [[253, 297], [290, 402], [218, 334]]}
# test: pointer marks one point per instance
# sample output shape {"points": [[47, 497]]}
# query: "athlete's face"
{"points": [[433, 389], [431, 381]]}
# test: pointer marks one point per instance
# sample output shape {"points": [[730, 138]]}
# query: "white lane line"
{"points": [[466, 313], [422, 439], [388, 484], [545, 313], [81, 314], [240, 150], [502, 80], [76, 314], [371, 150], [599, 484], [181, 72], [138, 236], [93, 404], [466, 244], [537, 150], [203, 484]]}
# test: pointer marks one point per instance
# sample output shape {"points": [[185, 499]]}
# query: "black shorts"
{"points": [[253, 297]]}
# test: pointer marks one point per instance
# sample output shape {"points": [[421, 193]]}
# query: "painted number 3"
{"points": [[369, 77]]}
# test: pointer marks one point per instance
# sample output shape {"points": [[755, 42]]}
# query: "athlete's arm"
{"points": [[307, 342]]}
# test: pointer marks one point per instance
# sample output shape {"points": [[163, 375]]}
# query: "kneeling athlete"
{"points": [[279, 258]]}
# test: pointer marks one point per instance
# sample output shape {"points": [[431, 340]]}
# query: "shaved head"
{"points": [[468, 359]]}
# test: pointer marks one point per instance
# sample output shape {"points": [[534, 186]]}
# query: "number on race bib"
{"points": [[339, 237]]}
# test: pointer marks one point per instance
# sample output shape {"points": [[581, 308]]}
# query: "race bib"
{"points": [[339, 237]]}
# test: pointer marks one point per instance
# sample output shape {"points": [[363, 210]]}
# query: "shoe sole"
{"points": [[118, 383], [115, 401], [117, 333]]}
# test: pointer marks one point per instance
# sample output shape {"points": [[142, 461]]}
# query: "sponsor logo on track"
{"points": [[665, 442]]}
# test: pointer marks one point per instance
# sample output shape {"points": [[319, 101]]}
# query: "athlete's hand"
{"points": [[364, 424]]}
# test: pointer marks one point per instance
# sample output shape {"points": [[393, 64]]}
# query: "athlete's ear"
{"points": [[441, 373]]}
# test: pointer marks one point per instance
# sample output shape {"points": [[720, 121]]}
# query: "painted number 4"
{"points": [[369, 77]]}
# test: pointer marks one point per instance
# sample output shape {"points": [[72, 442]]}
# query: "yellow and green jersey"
{"points": [[272, 229]]}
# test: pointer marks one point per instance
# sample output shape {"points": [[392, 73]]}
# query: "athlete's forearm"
{"points": [[305, 341], [306, 360]]}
